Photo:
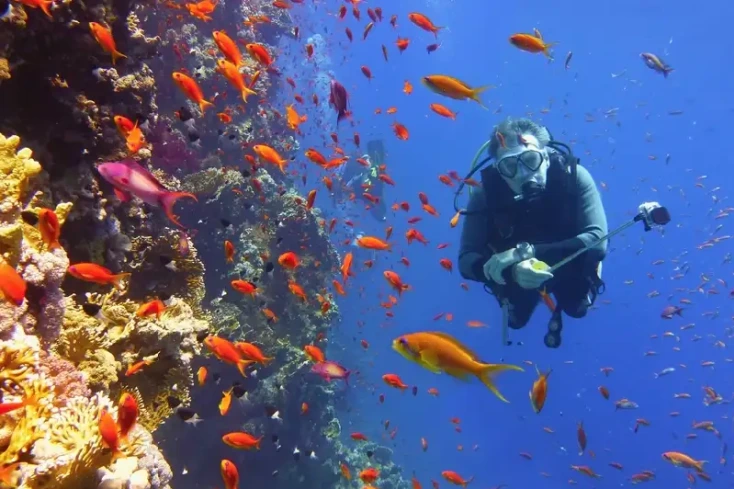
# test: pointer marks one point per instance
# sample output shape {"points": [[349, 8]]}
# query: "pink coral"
{"points": [[67, 380]]}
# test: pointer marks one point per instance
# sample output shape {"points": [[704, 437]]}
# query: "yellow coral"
{"points": [[16, 168], [74, 439], [20, 377]]}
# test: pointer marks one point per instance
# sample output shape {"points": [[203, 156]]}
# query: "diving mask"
{"points": [[530, 160]]}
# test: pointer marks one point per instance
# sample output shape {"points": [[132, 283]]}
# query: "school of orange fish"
{"points": [[438, 352]]}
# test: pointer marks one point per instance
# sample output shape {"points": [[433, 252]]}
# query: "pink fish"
{"points": [[132, 180], [331, 370], [339, 99]]}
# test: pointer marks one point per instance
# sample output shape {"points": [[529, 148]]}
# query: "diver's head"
{"points": [[521, 157]]}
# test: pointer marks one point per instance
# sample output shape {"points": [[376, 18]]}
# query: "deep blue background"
{"points": [[606, 38]]}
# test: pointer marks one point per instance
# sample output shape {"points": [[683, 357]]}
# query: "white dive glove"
{"points": [[529, 276], [498, 262]]}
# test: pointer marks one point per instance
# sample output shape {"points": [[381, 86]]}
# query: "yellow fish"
{"points": [[440, 352]]}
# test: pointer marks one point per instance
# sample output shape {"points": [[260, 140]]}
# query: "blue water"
{"points": [[605, 38]]}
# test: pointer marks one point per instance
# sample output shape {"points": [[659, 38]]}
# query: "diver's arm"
{"points": [[473, 250], [592, 222]]}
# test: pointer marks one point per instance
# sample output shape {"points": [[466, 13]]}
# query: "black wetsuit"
{"points": [[565, 218]]}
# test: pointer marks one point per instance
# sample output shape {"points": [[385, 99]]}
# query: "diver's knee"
{"points": [[518, 321], [577, 311]]}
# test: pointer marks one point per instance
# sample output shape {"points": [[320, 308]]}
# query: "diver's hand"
{"points": [[528, 276], [497, 263]]}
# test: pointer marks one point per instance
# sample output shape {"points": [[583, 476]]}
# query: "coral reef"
{"points": [[57, 439], [94, 346], [42, 269]]}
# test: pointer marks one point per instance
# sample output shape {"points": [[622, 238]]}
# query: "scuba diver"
{"points": [[536, 206], [362, 179]]}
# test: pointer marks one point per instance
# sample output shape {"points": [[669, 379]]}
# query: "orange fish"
{"points": [[230, 476], [228, 47], [400, 131], [230, 71], [260, 53], [604, 391], [226, 402], [138, 366], [293, 119], [304, 408], [225, 351], [104, 38], [44, 5], [345, 471], [91, 272], [369, 475], [314, 353], [443, 111], [346, 267], [393, 380], [124, 125], [252, 352], [244, 287], [454, 88], [135, 140], [532, 43], [108, 432], [539, 391], [270, 315], [289, 260], [297, 290], [127, 413], [201, 375], [229, 251], [455, 478], [407, 87], [191, 89], [372, 243], [270, 155], [424, 23], [155, 306], [48, 226], [447, 264], [242, 441], [402, 44], [395, 281], [440, 352]]}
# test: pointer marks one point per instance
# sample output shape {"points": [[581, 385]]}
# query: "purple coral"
{"points": [[67, 380], [170, 150]]}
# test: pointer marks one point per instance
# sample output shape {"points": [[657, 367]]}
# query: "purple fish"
{"points": [[331, 370], [339, 99], [432, 47], [132, 180], [670, 311]]}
